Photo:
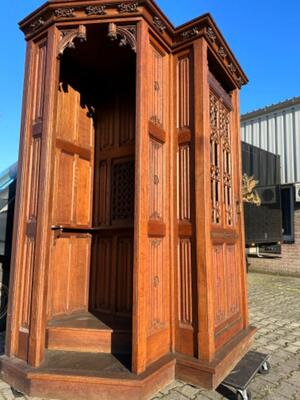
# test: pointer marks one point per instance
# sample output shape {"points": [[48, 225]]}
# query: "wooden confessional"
{"points": [[128, 265]]}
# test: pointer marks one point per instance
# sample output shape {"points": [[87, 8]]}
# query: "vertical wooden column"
{"points": [[139, 333], [19, 215], [32, 227], [43, 228], [239, 206], [206, 347]]}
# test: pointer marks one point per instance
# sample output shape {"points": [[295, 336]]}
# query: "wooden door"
{"points": [[226, 234], [112, 261], [152, 318], [68, 289]]}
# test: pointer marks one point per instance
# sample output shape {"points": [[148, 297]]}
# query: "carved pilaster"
{"points": [[68, 37], [127, 34]]}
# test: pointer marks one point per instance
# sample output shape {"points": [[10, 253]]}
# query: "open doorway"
{"points": [[91, 277]]}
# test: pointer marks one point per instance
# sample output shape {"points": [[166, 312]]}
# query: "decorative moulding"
{"points": [[127, 34], [37, 24], [222, 52], [159, 24], [68, 37], [128, 7], [190, 33], [64, 12], [211, 35], [95, 10]]}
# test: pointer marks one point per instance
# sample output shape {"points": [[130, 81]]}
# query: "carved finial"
{"points": [[159, 24], [126, 32], [68, 37]]}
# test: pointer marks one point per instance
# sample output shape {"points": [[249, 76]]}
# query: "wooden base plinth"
{"points": [[77, 375], [210, 374]]}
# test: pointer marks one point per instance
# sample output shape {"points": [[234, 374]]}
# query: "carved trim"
{"points": [[239, 81], [211, 35], [222, 52], [157, 22], [128, 8], [68, 37], [37, 24], [64, 12], [126, 32], [95, 10], [250, 195], [190, 33], [231, 68]]}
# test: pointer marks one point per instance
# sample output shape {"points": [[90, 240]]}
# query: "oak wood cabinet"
{"points": [[128, 264]]}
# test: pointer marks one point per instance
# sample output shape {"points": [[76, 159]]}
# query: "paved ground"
{"points": [[275, 309]]}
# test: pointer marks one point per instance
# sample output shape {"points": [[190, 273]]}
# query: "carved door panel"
{"points": [[112, 257], [152, 336], [72, 204], [225, 214]]}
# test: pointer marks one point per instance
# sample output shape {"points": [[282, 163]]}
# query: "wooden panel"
{"points": [[183, 92], [157, 286], [185, 282], [124, 276], [39, 84], [101, 209], [156, 87], [26, 282], [68, 100], [184, 186], [83, 192], [156, 177], [232, 281], [65, 189], [84, 127], [219, 285], [102, 275], [69, 274]]}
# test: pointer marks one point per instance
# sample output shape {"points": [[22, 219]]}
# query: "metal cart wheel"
{"points": [[265, 368], [243, 395]]}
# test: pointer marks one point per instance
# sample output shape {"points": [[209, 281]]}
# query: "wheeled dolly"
{"points": [[244, 372]]}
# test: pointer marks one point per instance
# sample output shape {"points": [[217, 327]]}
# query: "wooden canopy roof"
{"points": [[71, 11]]}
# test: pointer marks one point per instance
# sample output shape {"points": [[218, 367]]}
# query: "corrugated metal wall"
{"points": [[277, 131]]}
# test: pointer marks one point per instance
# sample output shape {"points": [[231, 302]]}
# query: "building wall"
{"points": [[277, 130], [289, 264]]}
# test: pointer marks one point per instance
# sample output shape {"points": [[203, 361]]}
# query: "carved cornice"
{"points": [[158, 23], [127, 34], [37, 24], [95, 10], [64, 12], [222, 52], [68, 37], [211, 35], [128, 7], [190, 33]]}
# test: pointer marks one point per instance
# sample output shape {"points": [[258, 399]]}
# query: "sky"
{"points": [[264, 35]]}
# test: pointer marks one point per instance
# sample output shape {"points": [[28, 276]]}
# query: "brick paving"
{"points": [[275, 309]]}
